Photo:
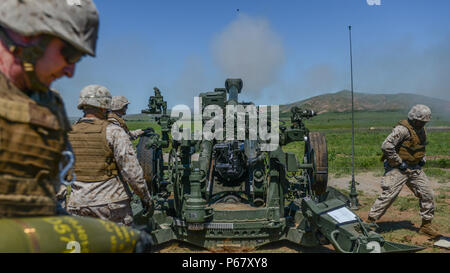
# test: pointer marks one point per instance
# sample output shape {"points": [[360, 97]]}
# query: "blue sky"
{"points": [[284, 50]]}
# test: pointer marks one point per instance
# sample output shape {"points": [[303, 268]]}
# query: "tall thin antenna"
{"points": [[353, 194]]}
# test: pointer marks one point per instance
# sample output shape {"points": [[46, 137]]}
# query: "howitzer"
{"points": [[156, 103], [149, 148], [231, 193]]}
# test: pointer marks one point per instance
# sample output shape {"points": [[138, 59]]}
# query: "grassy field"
{"points": [[337, 129], [366, 119]]}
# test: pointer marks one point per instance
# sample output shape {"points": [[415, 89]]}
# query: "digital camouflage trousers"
{"points": [[119, 212], [392, 183]]}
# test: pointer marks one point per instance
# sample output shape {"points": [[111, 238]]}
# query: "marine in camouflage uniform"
{"points": [[105, 163], [40, 41], [404, 156], [119, 107]]}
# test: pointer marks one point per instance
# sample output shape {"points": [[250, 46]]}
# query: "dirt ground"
{"points": [[369, 183], [396, 225]]}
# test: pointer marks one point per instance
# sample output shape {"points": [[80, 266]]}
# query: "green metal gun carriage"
{"points": [[222, 194]]}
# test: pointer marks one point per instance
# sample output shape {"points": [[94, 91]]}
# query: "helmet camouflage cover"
{"points": [[420, 112], [95, 96], [119, 102], [74, 21]]}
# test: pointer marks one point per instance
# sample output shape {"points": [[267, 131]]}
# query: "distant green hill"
{"points": [[131, 117], [341, 102]]}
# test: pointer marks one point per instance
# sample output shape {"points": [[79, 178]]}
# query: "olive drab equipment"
{"points": [[94, 158], [69, 234], [32, 140], [222, 194]]}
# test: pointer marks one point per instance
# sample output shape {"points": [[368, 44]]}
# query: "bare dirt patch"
{"points": [[369, 183]]}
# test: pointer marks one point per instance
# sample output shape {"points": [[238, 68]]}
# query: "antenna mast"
{"points": [[353, 194]]}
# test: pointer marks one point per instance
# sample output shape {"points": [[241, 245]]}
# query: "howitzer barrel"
{"points": [[234, 87], [65, 234]]}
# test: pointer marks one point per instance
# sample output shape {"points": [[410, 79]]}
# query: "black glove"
{"points": [[145, 243], [403, 166], [149, 207], [421, 163], [148, 130]]}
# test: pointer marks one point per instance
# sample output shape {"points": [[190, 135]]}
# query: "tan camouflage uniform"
{"points": [[118, 104], [134, 134], [110, 199], [393, 181]]}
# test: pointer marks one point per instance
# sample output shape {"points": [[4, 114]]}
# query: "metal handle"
{"points": [[64, 170], [335, 243]]}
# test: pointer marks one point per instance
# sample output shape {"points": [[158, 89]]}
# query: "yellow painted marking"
{"points": [[125, 233], [71, 237], [62, 228], [113, 244], [82, 235], [117, 228]]}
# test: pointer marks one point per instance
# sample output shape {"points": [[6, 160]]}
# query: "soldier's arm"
{"points": [[136, 133], [126, 160], [398, 135]]}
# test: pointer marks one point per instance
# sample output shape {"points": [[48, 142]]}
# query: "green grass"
{"points": [[133, 125], [337, 129], [406, 203], [365, 119]]}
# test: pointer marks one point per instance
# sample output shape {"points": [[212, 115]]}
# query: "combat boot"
{"points": [[427, 229]]}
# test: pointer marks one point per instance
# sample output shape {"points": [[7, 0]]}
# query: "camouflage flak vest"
{"points": [[119, 121], [94, 159], [412, 150], [32, 138]]}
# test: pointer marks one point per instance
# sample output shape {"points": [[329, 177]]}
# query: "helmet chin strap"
{"points": [[28, 55], [415, 124]]}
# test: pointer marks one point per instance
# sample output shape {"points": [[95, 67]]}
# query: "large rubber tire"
{"points": [[146, 158], [320, 175]]}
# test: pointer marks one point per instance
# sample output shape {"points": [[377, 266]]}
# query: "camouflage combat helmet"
{"points": [[73, 21], [420, 112], [96, 96], [118, 102]]}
